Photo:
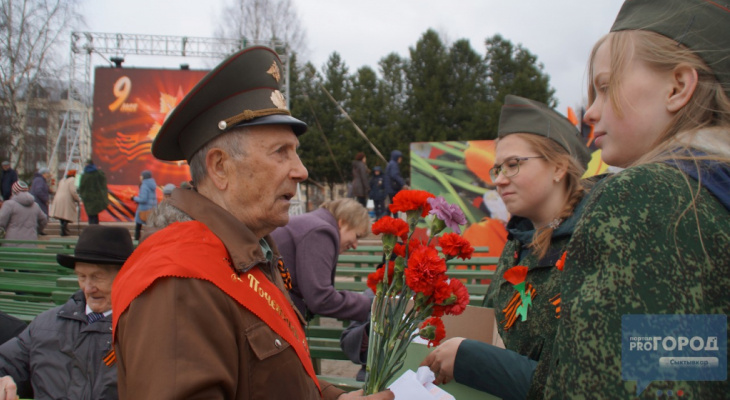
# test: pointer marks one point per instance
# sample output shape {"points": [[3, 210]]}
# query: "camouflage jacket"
{"points": [[640, 248], [533, 337]]}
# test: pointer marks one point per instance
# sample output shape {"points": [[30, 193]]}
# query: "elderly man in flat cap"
{"points": [[66, 352], [202, 308]]}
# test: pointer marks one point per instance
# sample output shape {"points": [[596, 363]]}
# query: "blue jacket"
{"points": [[393, 181], [147, 197]]}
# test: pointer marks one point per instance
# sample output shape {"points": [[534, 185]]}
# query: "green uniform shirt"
{"points": [[639, 249]]}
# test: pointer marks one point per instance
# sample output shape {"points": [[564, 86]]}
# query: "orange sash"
{"points": [[191, 250]]}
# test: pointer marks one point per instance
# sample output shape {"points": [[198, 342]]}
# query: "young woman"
{"points": [[653, 239], [538, 167]]}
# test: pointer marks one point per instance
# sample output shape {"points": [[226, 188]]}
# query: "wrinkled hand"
{"points": [[384, 395], [8, 388], [441, 360]]}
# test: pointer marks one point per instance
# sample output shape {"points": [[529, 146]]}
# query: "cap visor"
{"points": [[297, 126]]}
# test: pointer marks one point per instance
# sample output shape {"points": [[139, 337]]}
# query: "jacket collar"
{"points": [[240, 241]]}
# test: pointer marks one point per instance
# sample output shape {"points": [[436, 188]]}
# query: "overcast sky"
{"points": [[559, 32]]}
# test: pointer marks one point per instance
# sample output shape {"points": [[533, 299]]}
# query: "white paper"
{"points": [[418, 386]]}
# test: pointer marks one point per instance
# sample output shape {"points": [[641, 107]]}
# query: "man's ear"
{"points": [[215, 165], [684, 82]]}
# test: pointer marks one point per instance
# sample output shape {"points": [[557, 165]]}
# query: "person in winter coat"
{"points": [[650, 255], [360, 186], [66, 352], [20, 217], [201, 309], [392, 179], [40, 190], [146, 200], [377, 192], [9, 176], [65, 202], [93, 191], [539, 162], [310, 244]]}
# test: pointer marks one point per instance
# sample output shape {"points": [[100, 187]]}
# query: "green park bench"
{"points": [[29, 277]]}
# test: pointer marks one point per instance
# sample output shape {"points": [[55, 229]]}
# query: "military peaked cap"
{"points": [[521, 115], [243, 90], [701, 25]]}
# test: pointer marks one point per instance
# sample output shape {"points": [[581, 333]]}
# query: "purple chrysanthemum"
{"points": [[451, 214]]}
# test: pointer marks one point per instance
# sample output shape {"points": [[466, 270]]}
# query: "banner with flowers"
{"points": [[413, 291]]}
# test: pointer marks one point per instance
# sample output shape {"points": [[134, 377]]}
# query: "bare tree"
{"points": [[257, 21], [32, 36]]}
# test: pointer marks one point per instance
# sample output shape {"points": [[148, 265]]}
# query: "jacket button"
{"points": [[277, 343]]}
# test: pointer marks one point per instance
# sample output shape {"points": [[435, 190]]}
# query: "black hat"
{"points": [[701, 25], [100, 244], [243, 90], [521, 115]]}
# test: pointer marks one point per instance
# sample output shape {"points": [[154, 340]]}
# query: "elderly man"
{"points": [[201, 307], [66, 352]]}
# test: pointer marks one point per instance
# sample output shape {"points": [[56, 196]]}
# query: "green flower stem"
{"points": [[422, 164]]}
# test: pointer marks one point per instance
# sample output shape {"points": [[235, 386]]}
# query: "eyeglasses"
{"points": [[509, 168]]}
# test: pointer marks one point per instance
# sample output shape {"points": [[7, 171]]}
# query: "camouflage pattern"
{"points": [[638, 250], [535, 336]]}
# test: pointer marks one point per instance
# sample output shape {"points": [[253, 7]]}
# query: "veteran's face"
{"points": [[96, 282], [264, 180]]}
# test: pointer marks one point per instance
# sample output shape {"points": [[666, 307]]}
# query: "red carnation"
{"points": [[561, 263], [454, 245], [516, 275], [424, 268], [433, 329], [455, 301], [400, 249], [391, 226], [411, 200], [377, 276]]}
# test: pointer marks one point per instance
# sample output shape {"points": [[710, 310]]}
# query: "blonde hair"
{"points": [[351, 212], [574, 186], [708, 106], [701, 124]]}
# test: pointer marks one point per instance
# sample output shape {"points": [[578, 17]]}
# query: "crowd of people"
{"points": [[214, 300]]}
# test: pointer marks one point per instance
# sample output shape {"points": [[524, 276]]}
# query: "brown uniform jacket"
{"points": [[186, 339]]}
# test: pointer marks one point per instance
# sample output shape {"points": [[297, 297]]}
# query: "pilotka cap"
{"points": [[521, 115], [701, 25]]}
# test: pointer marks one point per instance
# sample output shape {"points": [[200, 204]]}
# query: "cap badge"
{"points": [[278, 99], [274, 71]]}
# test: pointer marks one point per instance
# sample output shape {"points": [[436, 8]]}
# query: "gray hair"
{"points": [[231, 142]]}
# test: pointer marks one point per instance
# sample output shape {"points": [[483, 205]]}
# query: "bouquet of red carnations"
{"points": [[418, 273]]}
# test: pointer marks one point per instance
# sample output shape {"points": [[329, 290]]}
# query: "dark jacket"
{"points": [[359, 179], [93, 190], [39, 190], [8, 178], [62, 355], [310, 246], [393, 181], [219, 349], [377, 185]]}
